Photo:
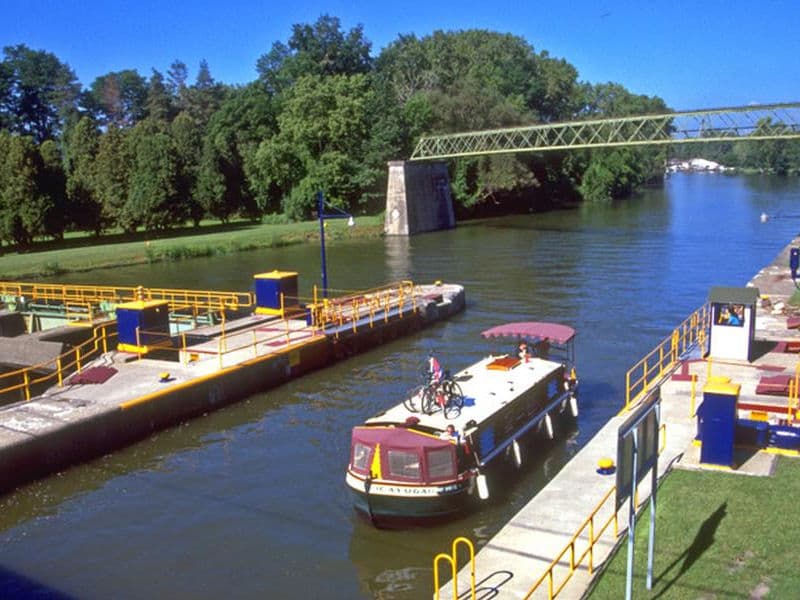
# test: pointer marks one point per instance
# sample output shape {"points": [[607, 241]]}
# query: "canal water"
{"points": [[250, 501]]}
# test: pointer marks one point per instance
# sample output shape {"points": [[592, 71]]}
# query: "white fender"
{"points": [[517, 454], [483, 487], [548, 422], [573, 405]]}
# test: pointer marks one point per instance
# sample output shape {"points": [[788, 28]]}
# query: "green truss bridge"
{"points": [[750, 123]]}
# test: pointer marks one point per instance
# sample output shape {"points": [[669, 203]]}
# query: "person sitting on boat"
{"points": [[450, 433], [523, 352], [434, 369]]}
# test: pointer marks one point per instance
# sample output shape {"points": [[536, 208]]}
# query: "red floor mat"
{"points": [[92, 375]]}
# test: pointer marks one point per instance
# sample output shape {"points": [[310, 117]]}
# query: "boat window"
{"points": [[403, 464], [361, 456], [441, 464]]}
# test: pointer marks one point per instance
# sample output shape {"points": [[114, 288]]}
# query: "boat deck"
{"points": [[486, 390]]}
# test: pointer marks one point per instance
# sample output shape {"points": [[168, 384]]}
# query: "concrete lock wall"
{"points": [[418, 198]]}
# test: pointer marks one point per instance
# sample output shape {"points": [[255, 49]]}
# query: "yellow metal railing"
{"points": [[595, 532], [56, 370], [71, 294], [661, 361], [452, 560], [228, 343], [349, 306]]}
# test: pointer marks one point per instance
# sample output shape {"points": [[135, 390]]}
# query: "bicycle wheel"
{"points": [[429, 405], [452, 389], [413, 401], [455, 401]]}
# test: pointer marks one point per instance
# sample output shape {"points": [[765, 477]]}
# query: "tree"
{"points": [[176, 82], [227, 179], [23, 208], [52, 188], [83, 209], [187, 138], [322, 132], [113, 163], [159, 103], [153, 193], [770, 156], [118, 98], [37, 92], [205, 97], [320, 49]]}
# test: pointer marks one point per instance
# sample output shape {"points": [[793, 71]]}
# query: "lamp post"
{"points": [[340, 214]]}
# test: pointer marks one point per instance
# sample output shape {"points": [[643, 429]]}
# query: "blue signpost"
{"points": [[340, 214]]}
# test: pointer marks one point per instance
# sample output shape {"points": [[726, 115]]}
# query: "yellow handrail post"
{"points": [[448, 558], [58, 371], [224, 340], [627, 390], [78, 357], [27, 381], [591, 545], [400, 300], [644, 378], [219, 353], [694, 386]]}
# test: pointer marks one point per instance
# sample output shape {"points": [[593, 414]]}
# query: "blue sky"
{"points": [[702, 54]]}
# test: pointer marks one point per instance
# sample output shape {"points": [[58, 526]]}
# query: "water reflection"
{"points": [[398, 257]]}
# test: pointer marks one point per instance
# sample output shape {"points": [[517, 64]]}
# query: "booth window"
{"points": [[731, 315]]}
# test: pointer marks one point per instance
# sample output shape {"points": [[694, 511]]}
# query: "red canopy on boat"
{"points": [[555, 332]]}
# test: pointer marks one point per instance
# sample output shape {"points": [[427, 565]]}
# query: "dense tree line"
{"points": [[132, 152]]}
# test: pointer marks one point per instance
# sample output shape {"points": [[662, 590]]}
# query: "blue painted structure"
{"points": [[716, 423], [269, 288]]}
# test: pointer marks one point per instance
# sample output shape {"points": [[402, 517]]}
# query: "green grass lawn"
{"points": [[718, 535], [84, 254]]}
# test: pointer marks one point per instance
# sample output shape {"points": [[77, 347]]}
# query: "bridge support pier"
{"points": [[418, 198]]}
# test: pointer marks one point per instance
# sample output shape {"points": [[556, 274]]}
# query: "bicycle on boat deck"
{"points": [[444, 395]]}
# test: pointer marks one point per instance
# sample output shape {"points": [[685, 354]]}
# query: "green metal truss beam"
{"points": [[750, 123]]}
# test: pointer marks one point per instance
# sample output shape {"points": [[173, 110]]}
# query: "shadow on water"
{"points": [[16, 586]]}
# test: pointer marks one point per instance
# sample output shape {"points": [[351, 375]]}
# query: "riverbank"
{"points": [[69, 258]]}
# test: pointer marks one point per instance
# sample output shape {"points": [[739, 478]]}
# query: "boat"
{"points": [[427, 458]]}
